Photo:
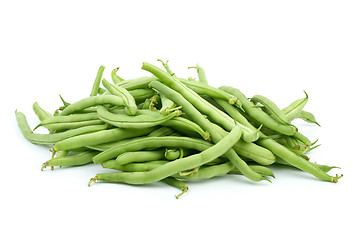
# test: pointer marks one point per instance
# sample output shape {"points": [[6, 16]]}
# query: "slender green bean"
{"points": [[47, 139], [115, 78], [40, 113], [201, 74], [97, 81], [100, 137], [143, 118], [74, 160], [92, 101], [129, 101]]}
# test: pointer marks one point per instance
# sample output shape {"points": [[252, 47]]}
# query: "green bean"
{"points": [[100, 137], [115, 78], [75, 160], [258, 114], [139, 156], [137, 83], [71, 125], [47, 139], [129, 101], [295, 160], [180, 123], [295, 107], [271, 107], [168, 70], [201, 75], [324, 168], [97, 81], [264, 171], [176, 183], [143, 118], [40, 113], [141, 143], [70, 118], [208, 172], [206, 125], [176, 166], [306, 116], [92, 101]]}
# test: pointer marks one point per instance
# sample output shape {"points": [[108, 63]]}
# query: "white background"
{"points": [[273, 48]]}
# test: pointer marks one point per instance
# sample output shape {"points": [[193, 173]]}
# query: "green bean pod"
{"points": [[143, 118], [40, 113], [74, 160], [92, 101], [115, 78], [271, 107], [292, 109], [129, 101], [48, 139], [97, 81], [100, 137], [201, 74]]}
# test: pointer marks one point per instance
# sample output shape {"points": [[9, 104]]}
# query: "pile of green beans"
{"points": [[174, 130]]}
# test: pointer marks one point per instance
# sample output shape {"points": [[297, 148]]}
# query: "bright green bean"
{"points": [[100, 137], [74, 160], [47, 139], [97, 81], [129, 101], [271, 107], [115, 78], [40, 113], [201, 74], [92, 101], [143, 118], [295, 107], [176, 183]]}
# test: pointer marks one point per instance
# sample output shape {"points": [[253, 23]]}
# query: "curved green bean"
{"points": [[47, 139], [74, 160], [92, 101], [143, 118], [97, 81], [99, 137], [129, 101]]}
